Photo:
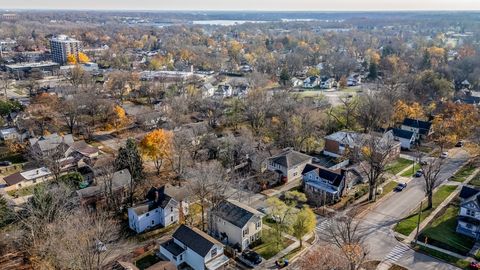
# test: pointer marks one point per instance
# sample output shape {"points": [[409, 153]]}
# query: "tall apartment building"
{"points": [[62, 46]]}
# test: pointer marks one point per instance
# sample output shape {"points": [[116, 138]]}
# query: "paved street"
{"points": [[377, 223]]}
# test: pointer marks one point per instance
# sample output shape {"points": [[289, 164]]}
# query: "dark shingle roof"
{"points": [[173, 247], [234, 212], [14, 179], [406, 134], [467, 192], [290, 158], [422, 125], [334, 178], [196, 240]]}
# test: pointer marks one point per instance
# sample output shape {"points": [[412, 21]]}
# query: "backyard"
{"points": [[24, 191], [408, 224]]}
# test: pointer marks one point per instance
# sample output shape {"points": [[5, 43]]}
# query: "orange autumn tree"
{"points": [[121, 118], [83, 58], [157, 147], [71, 59], [455, 122], [403, 110]]}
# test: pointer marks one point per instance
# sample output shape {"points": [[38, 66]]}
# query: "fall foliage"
{"points": [[157, 147], [404, 110], [83, 58], [71, 59]]}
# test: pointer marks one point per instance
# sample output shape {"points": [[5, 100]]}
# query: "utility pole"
{"points": [[418, 222]]}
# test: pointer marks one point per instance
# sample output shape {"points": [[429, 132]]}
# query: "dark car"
{"points": [[418, 173], [459, 144], [400, 187], [250, 258], [5, 163]]}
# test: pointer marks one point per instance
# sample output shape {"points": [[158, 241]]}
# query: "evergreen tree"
{"points": [[129, 158], [372, 71], [6, 212], [284, 77]]}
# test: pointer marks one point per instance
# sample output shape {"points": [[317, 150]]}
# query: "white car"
{"points": [[444, 155]]}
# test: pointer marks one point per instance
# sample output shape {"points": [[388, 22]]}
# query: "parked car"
{"points": [[5, 163], [444, 155], [423, 162], [459, 144], [250, 258], [400, 187], [419, 173]]}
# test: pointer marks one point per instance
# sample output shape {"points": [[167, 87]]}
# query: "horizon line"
{"points": [[249, 10]]}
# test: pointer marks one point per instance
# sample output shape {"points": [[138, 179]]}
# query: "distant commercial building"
{"points": [[62, 46], [18, 68]]}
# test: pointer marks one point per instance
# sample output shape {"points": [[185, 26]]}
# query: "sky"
{"points": [[263, 5]]}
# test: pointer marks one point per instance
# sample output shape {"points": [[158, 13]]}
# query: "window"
{"points": [[245, 232], [258, 225], [468, 225], [153, 222], [171, 218], [171, 209], [470, 213], [148, 214], [181, 257], [214, 252]]}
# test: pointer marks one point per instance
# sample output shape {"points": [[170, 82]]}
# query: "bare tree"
{"points": [[343, 233], [4, 83], [348, 109], [431, 172], [323, 258], [373, 154], [208, 185], [373, 112]]}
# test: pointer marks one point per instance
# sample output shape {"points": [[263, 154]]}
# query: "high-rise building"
{"points": [[62, 46]]}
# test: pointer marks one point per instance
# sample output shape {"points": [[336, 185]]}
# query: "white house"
{"points": [[235, 223], [311, 82], [224, 91], [323, 185], [11, 134], [422, 129], [289, 164], [354, 80], [469, 215], [162, 211], [405, 137], [208, 90], [195, 248], [328, 83]]}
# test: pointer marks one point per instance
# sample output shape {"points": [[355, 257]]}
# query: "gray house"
{"points": [[235, 223], [289, 164]]}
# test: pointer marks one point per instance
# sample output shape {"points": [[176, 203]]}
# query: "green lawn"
{"points": [[441, 233], [411, 172], [387, 188], [268, 246], [398, 165], [463, 264], [475, 181], [463, 173], [408, 224]]}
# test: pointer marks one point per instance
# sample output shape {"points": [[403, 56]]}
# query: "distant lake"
{"points": [[225, 22]]}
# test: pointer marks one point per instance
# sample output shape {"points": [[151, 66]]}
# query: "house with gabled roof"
{"points": [[323, 186], [235, 223], [289, 164], [422, 129], [161, 210], [405, 137], [193, 248], [468, 220]]}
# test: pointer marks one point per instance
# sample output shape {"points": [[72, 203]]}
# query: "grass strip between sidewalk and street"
{"points": [[463, 264], [463, 173], [408, 224]]}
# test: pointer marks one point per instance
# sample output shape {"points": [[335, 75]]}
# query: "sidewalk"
{"points": [[440, 207]]}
